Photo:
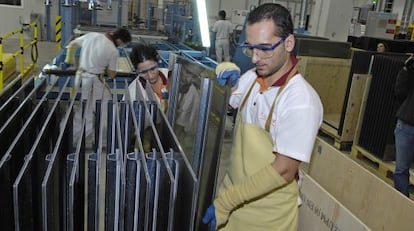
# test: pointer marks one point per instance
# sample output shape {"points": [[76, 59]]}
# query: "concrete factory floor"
{"points": [[46, 51]]}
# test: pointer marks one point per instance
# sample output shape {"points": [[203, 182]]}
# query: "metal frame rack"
{"points": [[51, 182]]}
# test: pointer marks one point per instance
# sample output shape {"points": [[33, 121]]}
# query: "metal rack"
{"points": [[49, 181]]}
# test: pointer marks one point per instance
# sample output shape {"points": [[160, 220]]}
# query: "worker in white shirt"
{"points": [[223, 29], [98, 56], [271, 137]]}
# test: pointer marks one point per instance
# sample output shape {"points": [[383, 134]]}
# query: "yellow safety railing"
{"points": [[20, 52]]}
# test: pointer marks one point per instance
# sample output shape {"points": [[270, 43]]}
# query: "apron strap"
{"points": [[270, 116], [247, 96]]}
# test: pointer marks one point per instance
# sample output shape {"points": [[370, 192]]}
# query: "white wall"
{"points": [[213, 7], [12, 16], [331, 19]]}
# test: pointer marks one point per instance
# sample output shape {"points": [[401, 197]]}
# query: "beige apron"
{"points": [[251, 151]]}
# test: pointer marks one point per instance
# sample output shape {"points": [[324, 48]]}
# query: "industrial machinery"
{"points": [[173, 20]]}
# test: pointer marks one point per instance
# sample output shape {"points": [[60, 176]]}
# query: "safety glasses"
{"points": [[144, 73], [262, 51]]}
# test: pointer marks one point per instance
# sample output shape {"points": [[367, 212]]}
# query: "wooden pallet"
{"points": [[385, 169], [335, 140]]}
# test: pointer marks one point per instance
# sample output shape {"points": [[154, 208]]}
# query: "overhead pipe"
{"points": [[48, 5], [109, 4], [405, 20], [302, 16], [119, 13]]}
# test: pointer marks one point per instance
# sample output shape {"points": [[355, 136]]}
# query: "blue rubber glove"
{"points": [[210, 217], [228, 75], [227, 71]]}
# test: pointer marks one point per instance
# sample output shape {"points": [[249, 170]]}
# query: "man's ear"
{"points": [[290, 43]]}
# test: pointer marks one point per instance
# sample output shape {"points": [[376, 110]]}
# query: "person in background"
{"points": [[382, 47], [404, 129], [98, 56], [223, 29], [151, 78], [145, 60], [259, 190], [188, 98]]}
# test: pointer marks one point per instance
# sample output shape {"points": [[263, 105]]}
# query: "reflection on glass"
{"points": [[188, 105]]}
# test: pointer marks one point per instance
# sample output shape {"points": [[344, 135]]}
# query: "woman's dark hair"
{"points": [[122, 34], [276, 12], [384, 44], [141, 53]]}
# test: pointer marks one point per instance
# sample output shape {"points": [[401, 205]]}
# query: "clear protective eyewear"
{"points": [[262, 51], [151, 70]]}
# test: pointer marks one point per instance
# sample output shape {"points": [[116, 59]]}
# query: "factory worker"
{"points": [[152, 83], [145, 60], [279, 115], [223, 30], [98, 56], [404, 129]]}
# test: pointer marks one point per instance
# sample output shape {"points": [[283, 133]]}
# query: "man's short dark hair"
{"points": [[276, 12], [222, 14], [122, 34]]}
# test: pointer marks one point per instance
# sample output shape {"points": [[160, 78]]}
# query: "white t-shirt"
{"points": [[297, 114], [223, 28], [97, 53]]}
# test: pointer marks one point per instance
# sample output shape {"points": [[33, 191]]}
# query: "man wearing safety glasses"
{"points": [[279, 115]]}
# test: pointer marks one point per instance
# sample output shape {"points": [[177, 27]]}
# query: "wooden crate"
{"points": [[321, 211], [329, 77], [366, 195]]}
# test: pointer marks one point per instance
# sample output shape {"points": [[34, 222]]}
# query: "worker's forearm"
{"points": [[257, 185], [287, 167]]}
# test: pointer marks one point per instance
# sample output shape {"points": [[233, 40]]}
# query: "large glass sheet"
{"points": [[212, 146], [27, 189], [113, 187], [93, 193], [137, 186], [197, 112], [188, 104], [185, 187], [18, 134], [11, 160], [54, 179]]}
